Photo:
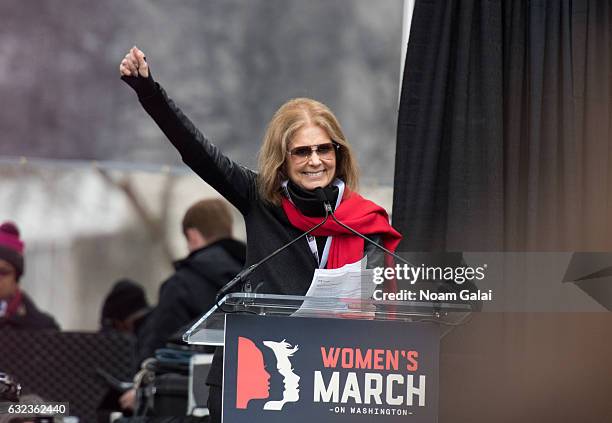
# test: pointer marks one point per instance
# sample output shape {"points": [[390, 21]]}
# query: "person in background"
{"points": [[214, 259], [125, 308], [17, 310]]}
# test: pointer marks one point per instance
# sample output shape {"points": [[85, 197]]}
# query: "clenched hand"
{"points": [[134, 64]]}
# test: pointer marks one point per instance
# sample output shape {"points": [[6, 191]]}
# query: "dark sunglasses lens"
{"points": [[325, 149], [301, 152]]}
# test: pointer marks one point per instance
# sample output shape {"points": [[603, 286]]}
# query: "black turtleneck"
{"points": [[307, 202], [310, 205]]}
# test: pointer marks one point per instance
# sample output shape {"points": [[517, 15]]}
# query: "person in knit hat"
{"points": [[17, 310]]}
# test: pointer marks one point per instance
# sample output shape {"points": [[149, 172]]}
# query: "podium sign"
{"points": [[279, 369]]}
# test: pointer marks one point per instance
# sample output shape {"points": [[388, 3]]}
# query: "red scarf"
{"points": [[356, 212]]}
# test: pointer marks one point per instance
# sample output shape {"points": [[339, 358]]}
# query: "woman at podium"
{"points": [[304, 148]]}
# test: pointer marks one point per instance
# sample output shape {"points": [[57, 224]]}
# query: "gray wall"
{"points": [[228, 63]]}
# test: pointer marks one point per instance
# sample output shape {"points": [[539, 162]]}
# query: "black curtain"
{"points": [[504, 130], [504, 144]]}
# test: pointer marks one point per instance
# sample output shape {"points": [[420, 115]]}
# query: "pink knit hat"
{"points": [[11, 246]]}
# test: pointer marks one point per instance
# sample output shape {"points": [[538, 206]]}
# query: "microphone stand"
{"points": [[328, 212], [246, 272]]}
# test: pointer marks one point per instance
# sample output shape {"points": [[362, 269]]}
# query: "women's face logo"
{"points": [[283, 352], [253, 379]]}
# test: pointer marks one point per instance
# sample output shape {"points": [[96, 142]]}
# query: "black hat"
{"points": [[126, 298]]}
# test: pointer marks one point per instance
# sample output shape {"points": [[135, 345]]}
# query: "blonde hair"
{"points": [[288, 119]]}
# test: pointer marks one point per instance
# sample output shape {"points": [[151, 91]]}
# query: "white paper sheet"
{"points": [[331, 286]]}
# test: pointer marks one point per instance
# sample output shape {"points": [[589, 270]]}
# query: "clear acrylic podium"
{"points": [[210, 329]]}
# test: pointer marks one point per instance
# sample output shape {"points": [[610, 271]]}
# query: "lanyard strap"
{"points": [[312, 242]]}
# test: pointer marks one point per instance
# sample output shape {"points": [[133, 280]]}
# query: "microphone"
{"points": [[322, 197], [247, 271]]}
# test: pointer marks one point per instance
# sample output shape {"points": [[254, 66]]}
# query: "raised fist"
{"points": [[134, 64]]}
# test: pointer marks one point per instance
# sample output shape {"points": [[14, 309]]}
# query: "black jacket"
{"points": [[29, 317], [190, 291]]}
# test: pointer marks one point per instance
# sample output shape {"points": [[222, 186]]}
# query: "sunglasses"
{"points": [[324, 151]]}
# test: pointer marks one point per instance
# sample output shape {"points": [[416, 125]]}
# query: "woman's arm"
{"points": [[234, 182]]}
